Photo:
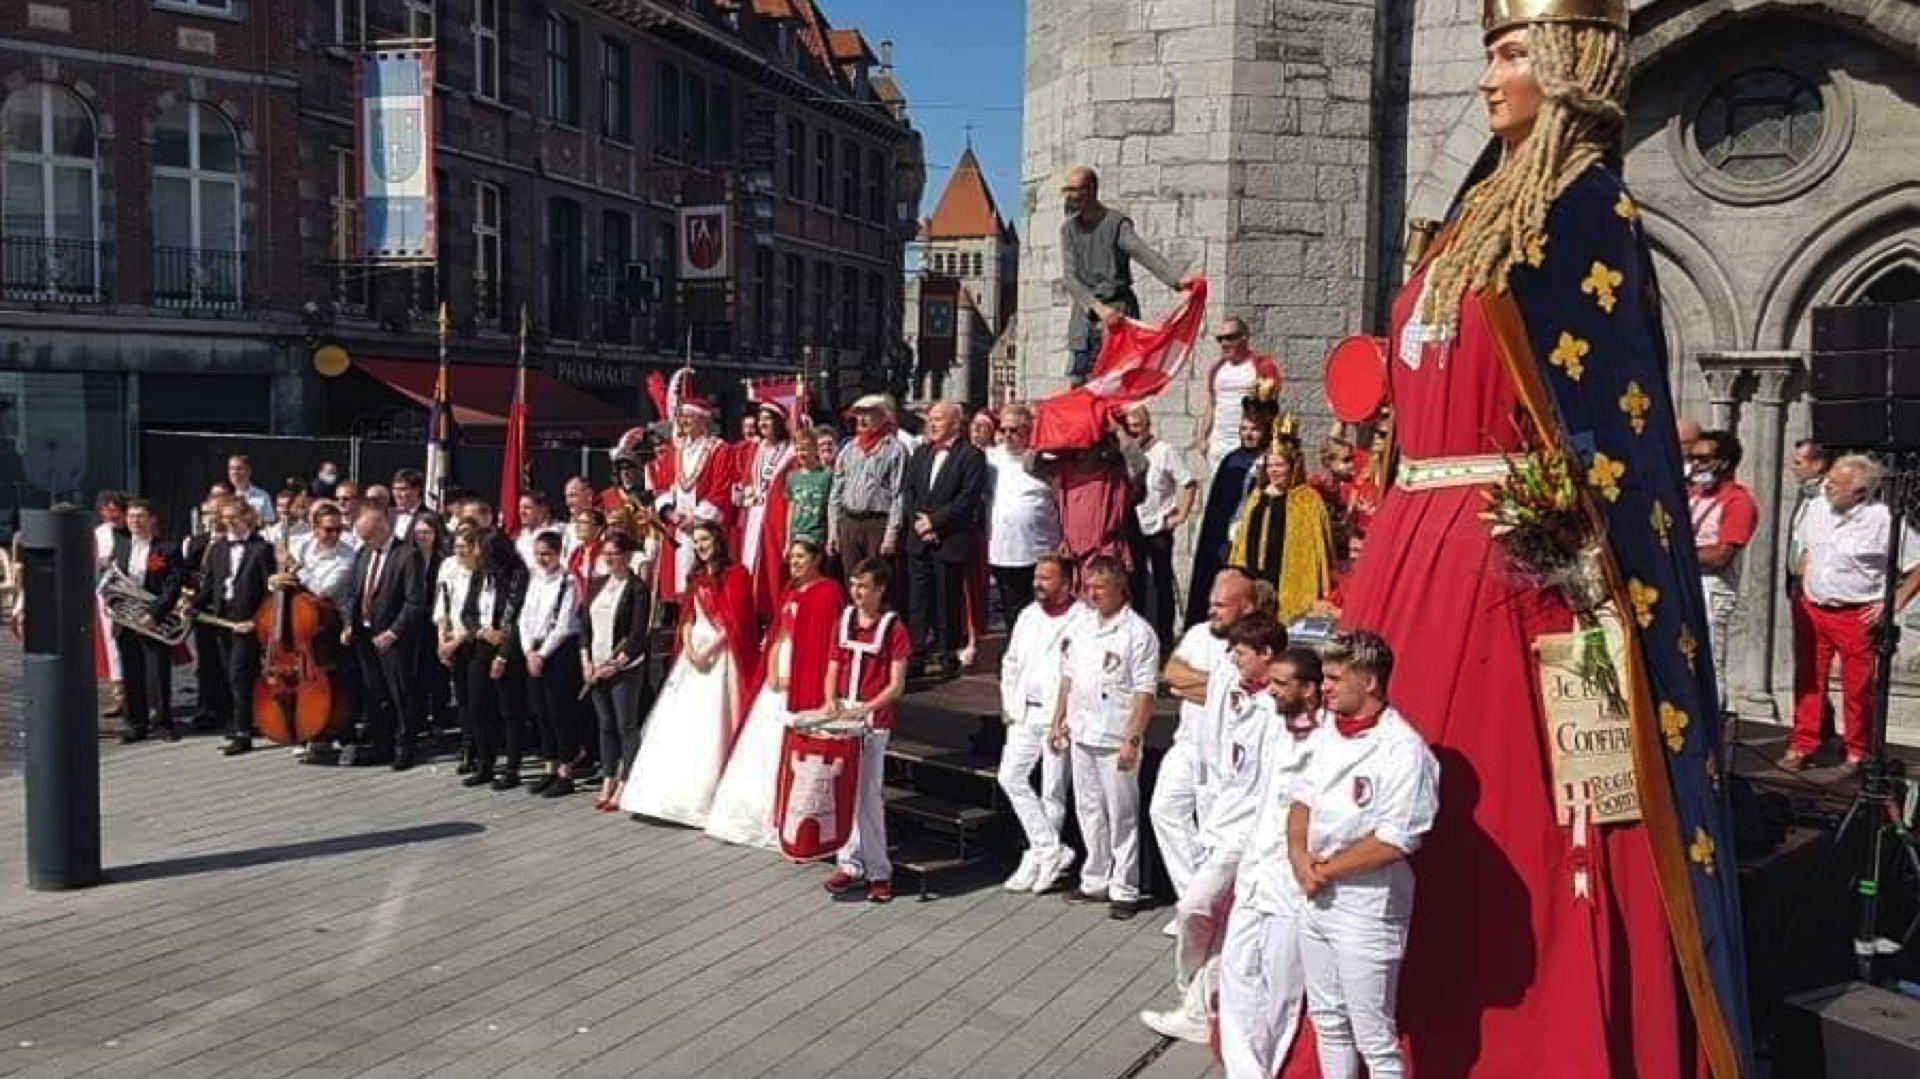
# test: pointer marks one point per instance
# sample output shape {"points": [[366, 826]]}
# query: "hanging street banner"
{"points": [[704, 250], [393, 128]]}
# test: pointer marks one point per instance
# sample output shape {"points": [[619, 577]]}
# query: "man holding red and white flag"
{"points": [[1137, 364]]}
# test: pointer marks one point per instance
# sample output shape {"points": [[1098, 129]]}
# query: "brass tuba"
{"points": [[130, 606]]}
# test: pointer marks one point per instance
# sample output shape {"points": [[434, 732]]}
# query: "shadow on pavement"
{"points": [[289, 852]]}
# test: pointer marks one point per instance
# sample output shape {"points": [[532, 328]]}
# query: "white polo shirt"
{"points": [[1201, 650], [1030, 668], [1108, 662], [1167, 475], [1265, 882], [1023, 517], [1847, 552], [1383, 783]]}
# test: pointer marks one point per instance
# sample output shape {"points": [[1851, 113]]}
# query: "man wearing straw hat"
{"points": [[863, 508]]}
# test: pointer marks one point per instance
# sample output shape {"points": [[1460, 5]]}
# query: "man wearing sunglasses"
{"points": [[1098, 247], [1231, 379], [1724, 519]]}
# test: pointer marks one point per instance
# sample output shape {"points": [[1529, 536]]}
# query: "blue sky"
{"points": [[958, 61]]}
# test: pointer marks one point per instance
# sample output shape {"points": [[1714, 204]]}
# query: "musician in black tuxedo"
{"points": [[209, 678], [240, 566], [146, 664], [941, 502], [386, 620]]}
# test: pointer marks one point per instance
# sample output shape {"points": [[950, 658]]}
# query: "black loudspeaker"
{"points": [[1850, 1031], [1865, 376]]}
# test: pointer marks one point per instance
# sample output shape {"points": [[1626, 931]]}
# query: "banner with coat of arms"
{"points": [[705, 253], [394, 131]]}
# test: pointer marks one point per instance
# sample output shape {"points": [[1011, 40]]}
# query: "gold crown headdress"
{"points": [[1499, 16], [1286, 429]]}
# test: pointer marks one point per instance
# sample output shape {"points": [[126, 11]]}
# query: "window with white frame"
{"points": [[349, 21], [488, 264], [420, 19], [563, 69], [220, 7], [49, 194], [196, 207], [350, 281], [486, 49]]}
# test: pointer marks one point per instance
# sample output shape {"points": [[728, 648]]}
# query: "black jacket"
{"points": [[400, 595], [510, 584], [953, 501], [250, 585], [162, 575], [630, 618]]}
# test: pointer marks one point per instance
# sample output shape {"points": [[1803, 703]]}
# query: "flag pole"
{"points": [[513, 463], [439, 463]]}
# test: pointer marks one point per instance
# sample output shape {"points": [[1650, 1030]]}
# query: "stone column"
{"points": [[1723, 374], [1761, 593]]}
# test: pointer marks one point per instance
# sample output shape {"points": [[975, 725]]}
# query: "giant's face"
{"points": [[1510, 88]]}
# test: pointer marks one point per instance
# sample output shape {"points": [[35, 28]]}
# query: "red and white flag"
{"points": [[789, 395], [1137, 363]]}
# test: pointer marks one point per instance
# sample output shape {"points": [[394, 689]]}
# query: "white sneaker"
{"points": [[1022, 879], [1051, 871], [1172, 928], [1175, 1023]]}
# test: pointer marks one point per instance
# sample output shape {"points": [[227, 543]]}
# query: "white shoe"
{"points": [[1178, 1025], [1022, 879], [1051, 871], [1172, 928]]}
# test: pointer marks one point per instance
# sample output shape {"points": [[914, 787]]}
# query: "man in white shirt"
{"points": [[1169, 490], [1106, 699], [240, 476], [534, 519], [1239, 705], [1360, 807], [1261, 980], [323, 564], [1029, 696], [1843, 581], [1181, 794], [1229, 383], [1023, 516]]}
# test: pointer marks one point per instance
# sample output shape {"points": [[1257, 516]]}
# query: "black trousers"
{"points": [[240, 659], [386, 679], [493, 710], [146, 673], [936, 593], [210, 674], [621, 703], [1153, 582], [1016, 590], [555, 699]]}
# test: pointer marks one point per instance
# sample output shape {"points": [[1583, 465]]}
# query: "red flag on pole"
{"points": [[1137, 363], [513, 465]]}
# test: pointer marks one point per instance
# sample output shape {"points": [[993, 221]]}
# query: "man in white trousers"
{"points": [[1360, 807], [1261, 980], [1029, 696], [1181, 793], [1106, 699], [1239, 706]]}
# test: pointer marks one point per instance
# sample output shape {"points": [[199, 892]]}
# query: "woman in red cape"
{"points": [[1578, 950], [698, 714], [793, 678]]}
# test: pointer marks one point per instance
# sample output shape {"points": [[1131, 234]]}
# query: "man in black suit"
{"points": [[941, 500], [209, 679], [385, 618], [239, 566], [146, 664]]}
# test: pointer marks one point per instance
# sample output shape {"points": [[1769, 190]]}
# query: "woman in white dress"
{"points": [[690, 733], [795, 680]]}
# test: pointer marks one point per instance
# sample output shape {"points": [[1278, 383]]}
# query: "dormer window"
{"points": [[789, 45]]}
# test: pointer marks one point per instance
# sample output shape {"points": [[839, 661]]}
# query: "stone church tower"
{"points": [[961, 299], [1281, 146]]}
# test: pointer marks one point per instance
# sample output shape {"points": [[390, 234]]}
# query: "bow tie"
{"points": [[1354, 726]]}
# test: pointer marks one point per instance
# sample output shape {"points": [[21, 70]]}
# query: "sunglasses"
{"points": [[1012, 430], [1227, 338]]}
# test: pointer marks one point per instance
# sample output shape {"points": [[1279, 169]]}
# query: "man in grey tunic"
{"points": [[1098, 247]]}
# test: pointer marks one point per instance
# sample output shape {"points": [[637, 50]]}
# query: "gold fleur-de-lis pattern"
{"points": [[1644, 598], [1662, 522], [1635, 403], [1604, 476], [1569, 355], [1701, 850], [1626, 208], [1535, 251], [1673, 724], [1603, 283], [1689, 646]]}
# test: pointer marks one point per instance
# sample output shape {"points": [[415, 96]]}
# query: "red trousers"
{"points": [[1833, 631]]}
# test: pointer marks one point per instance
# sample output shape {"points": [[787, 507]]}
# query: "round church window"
{"points": [[1760, 125]]}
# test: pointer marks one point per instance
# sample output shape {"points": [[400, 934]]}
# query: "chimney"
{"points": [[886, 56]]}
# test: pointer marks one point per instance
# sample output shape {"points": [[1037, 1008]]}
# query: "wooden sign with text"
{"points": [[1591, 745]]}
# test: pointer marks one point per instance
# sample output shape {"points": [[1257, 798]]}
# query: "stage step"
{"points": [[938, 836], [914, 754]]}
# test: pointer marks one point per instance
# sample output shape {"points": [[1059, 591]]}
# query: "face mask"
{"points": [[329, 477], [1703, 477]]}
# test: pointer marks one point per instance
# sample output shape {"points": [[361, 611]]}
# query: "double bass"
{"points": [[297, 699]]}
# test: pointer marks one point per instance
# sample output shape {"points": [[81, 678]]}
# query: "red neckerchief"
{"points": [[870, 439], [944, 445], [1355, 726], [1252, 685]]}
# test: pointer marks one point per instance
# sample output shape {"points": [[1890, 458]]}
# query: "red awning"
{"points": [[482, 394]]}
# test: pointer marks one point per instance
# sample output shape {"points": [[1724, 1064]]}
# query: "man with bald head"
{"points": [[942, 498], [1098, 247], [1229, 383]]}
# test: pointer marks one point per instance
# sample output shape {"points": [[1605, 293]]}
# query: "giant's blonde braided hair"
{"points": [[1582, 70]]}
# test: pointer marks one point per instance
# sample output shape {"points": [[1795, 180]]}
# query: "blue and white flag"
{"points": [[395, 131]]}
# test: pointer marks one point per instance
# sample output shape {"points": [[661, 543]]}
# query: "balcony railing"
{"points": [[198, 278], [63, 271]]}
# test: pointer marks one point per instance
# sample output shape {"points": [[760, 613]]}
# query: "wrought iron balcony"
{"points": [[198, 278], [62, 271]]}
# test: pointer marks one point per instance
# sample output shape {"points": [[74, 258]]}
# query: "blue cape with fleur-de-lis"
{"points": [[1580, 333]]}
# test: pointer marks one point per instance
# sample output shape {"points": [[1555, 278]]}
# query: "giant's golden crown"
{"points": [[1499, 16]]}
